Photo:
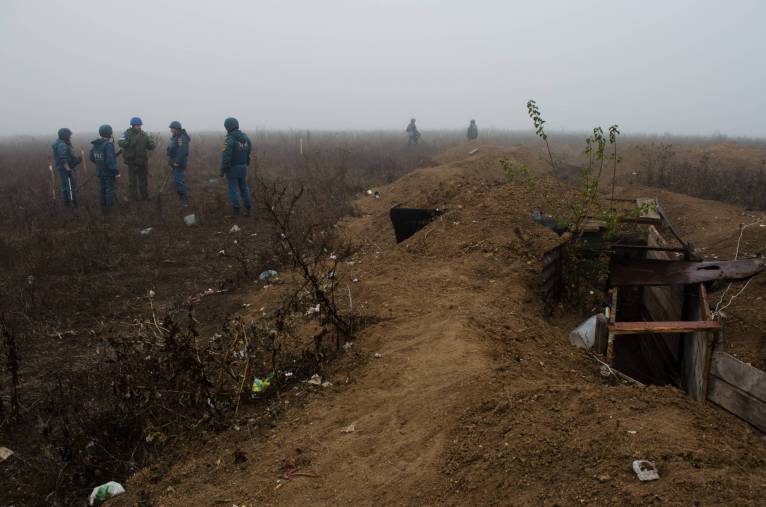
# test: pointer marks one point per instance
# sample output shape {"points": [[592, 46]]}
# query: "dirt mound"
{"points": [[462, 393]]}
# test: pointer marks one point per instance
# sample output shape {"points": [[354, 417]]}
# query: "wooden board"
{"points": [[733, 371], [602, 334], [660, 272], [737, 402], [650, 214], [683, 326]]}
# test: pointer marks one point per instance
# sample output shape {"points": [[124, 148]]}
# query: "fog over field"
{"points": [[684, 67]]}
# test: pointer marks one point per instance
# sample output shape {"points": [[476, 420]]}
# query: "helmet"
{"points": [[65, 134], [175, 125], [136, 121], [105, 131], [231, 124]]}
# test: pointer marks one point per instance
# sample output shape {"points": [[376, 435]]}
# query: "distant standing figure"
{"points": [[473, 131], [234, 162], [65, 160], [178, 155], [413, 136], [135, 143], [102, 154]]}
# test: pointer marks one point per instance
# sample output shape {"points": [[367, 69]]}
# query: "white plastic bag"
{"points": [[584, 335], [104, 492]]}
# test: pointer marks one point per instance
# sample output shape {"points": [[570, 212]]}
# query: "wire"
{"points": [[718, 308]]}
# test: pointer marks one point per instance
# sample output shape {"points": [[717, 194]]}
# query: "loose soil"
{"points": [[460, 392]]}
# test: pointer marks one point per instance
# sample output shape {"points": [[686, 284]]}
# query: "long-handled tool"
{"points": [[84, 161], [69, 186], [53, 179]]}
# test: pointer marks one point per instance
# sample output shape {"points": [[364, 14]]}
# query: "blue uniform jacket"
{"points": [[63, 155], [178, 150], [102, 154], [236, 154]]}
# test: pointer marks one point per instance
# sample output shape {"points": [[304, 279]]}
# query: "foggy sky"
{"points": [[677, 66]]}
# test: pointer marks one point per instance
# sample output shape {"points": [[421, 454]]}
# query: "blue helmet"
{"points": [[136, 121], [175, 125], [231, 124], [105, 131], [64, 134]]}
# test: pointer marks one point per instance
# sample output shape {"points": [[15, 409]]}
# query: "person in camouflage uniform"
{"points": [[135, 144]]}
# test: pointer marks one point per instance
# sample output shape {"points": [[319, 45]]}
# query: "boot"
{"points": [[247, 212], [235, 212]]}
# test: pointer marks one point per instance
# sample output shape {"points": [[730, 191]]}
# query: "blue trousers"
{"points": [[178, 179], [107, 190], [68, 187], [238, 186]]}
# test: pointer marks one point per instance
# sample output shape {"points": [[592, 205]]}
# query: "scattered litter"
{"points": [[152, 294], [349, 429], [268, 274], [234, 228], [260, 385], [376, 194], [645, 470], [549, 222], [145, 232], [333, 257], [315, 380], [5, 453], [104, 492], [326, 384], [355, 280], [474, 151], [347, 345], [212, 180], [190, 219], [584, 335], [291, 471], [332, 275], [207, 292], [313, 309], [288, 374], [632, 432], [378, 355], [369, 192]]}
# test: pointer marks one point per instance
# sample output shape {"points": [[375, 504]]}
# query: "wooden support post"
{"points": [[612, 321]]}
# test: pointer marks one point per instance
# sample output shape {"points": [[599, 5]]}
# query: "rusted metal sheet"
{"points": [[552, 260], [658, 272]]}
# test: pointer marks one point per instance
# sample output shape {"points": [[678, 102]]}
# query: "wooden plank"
{"points": [[593, 225], [612, 320], [746, 378], [661, 272], [708, 315], [697, 349], [737, 402], [683, 326], [651, 212], [602, 334]]}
